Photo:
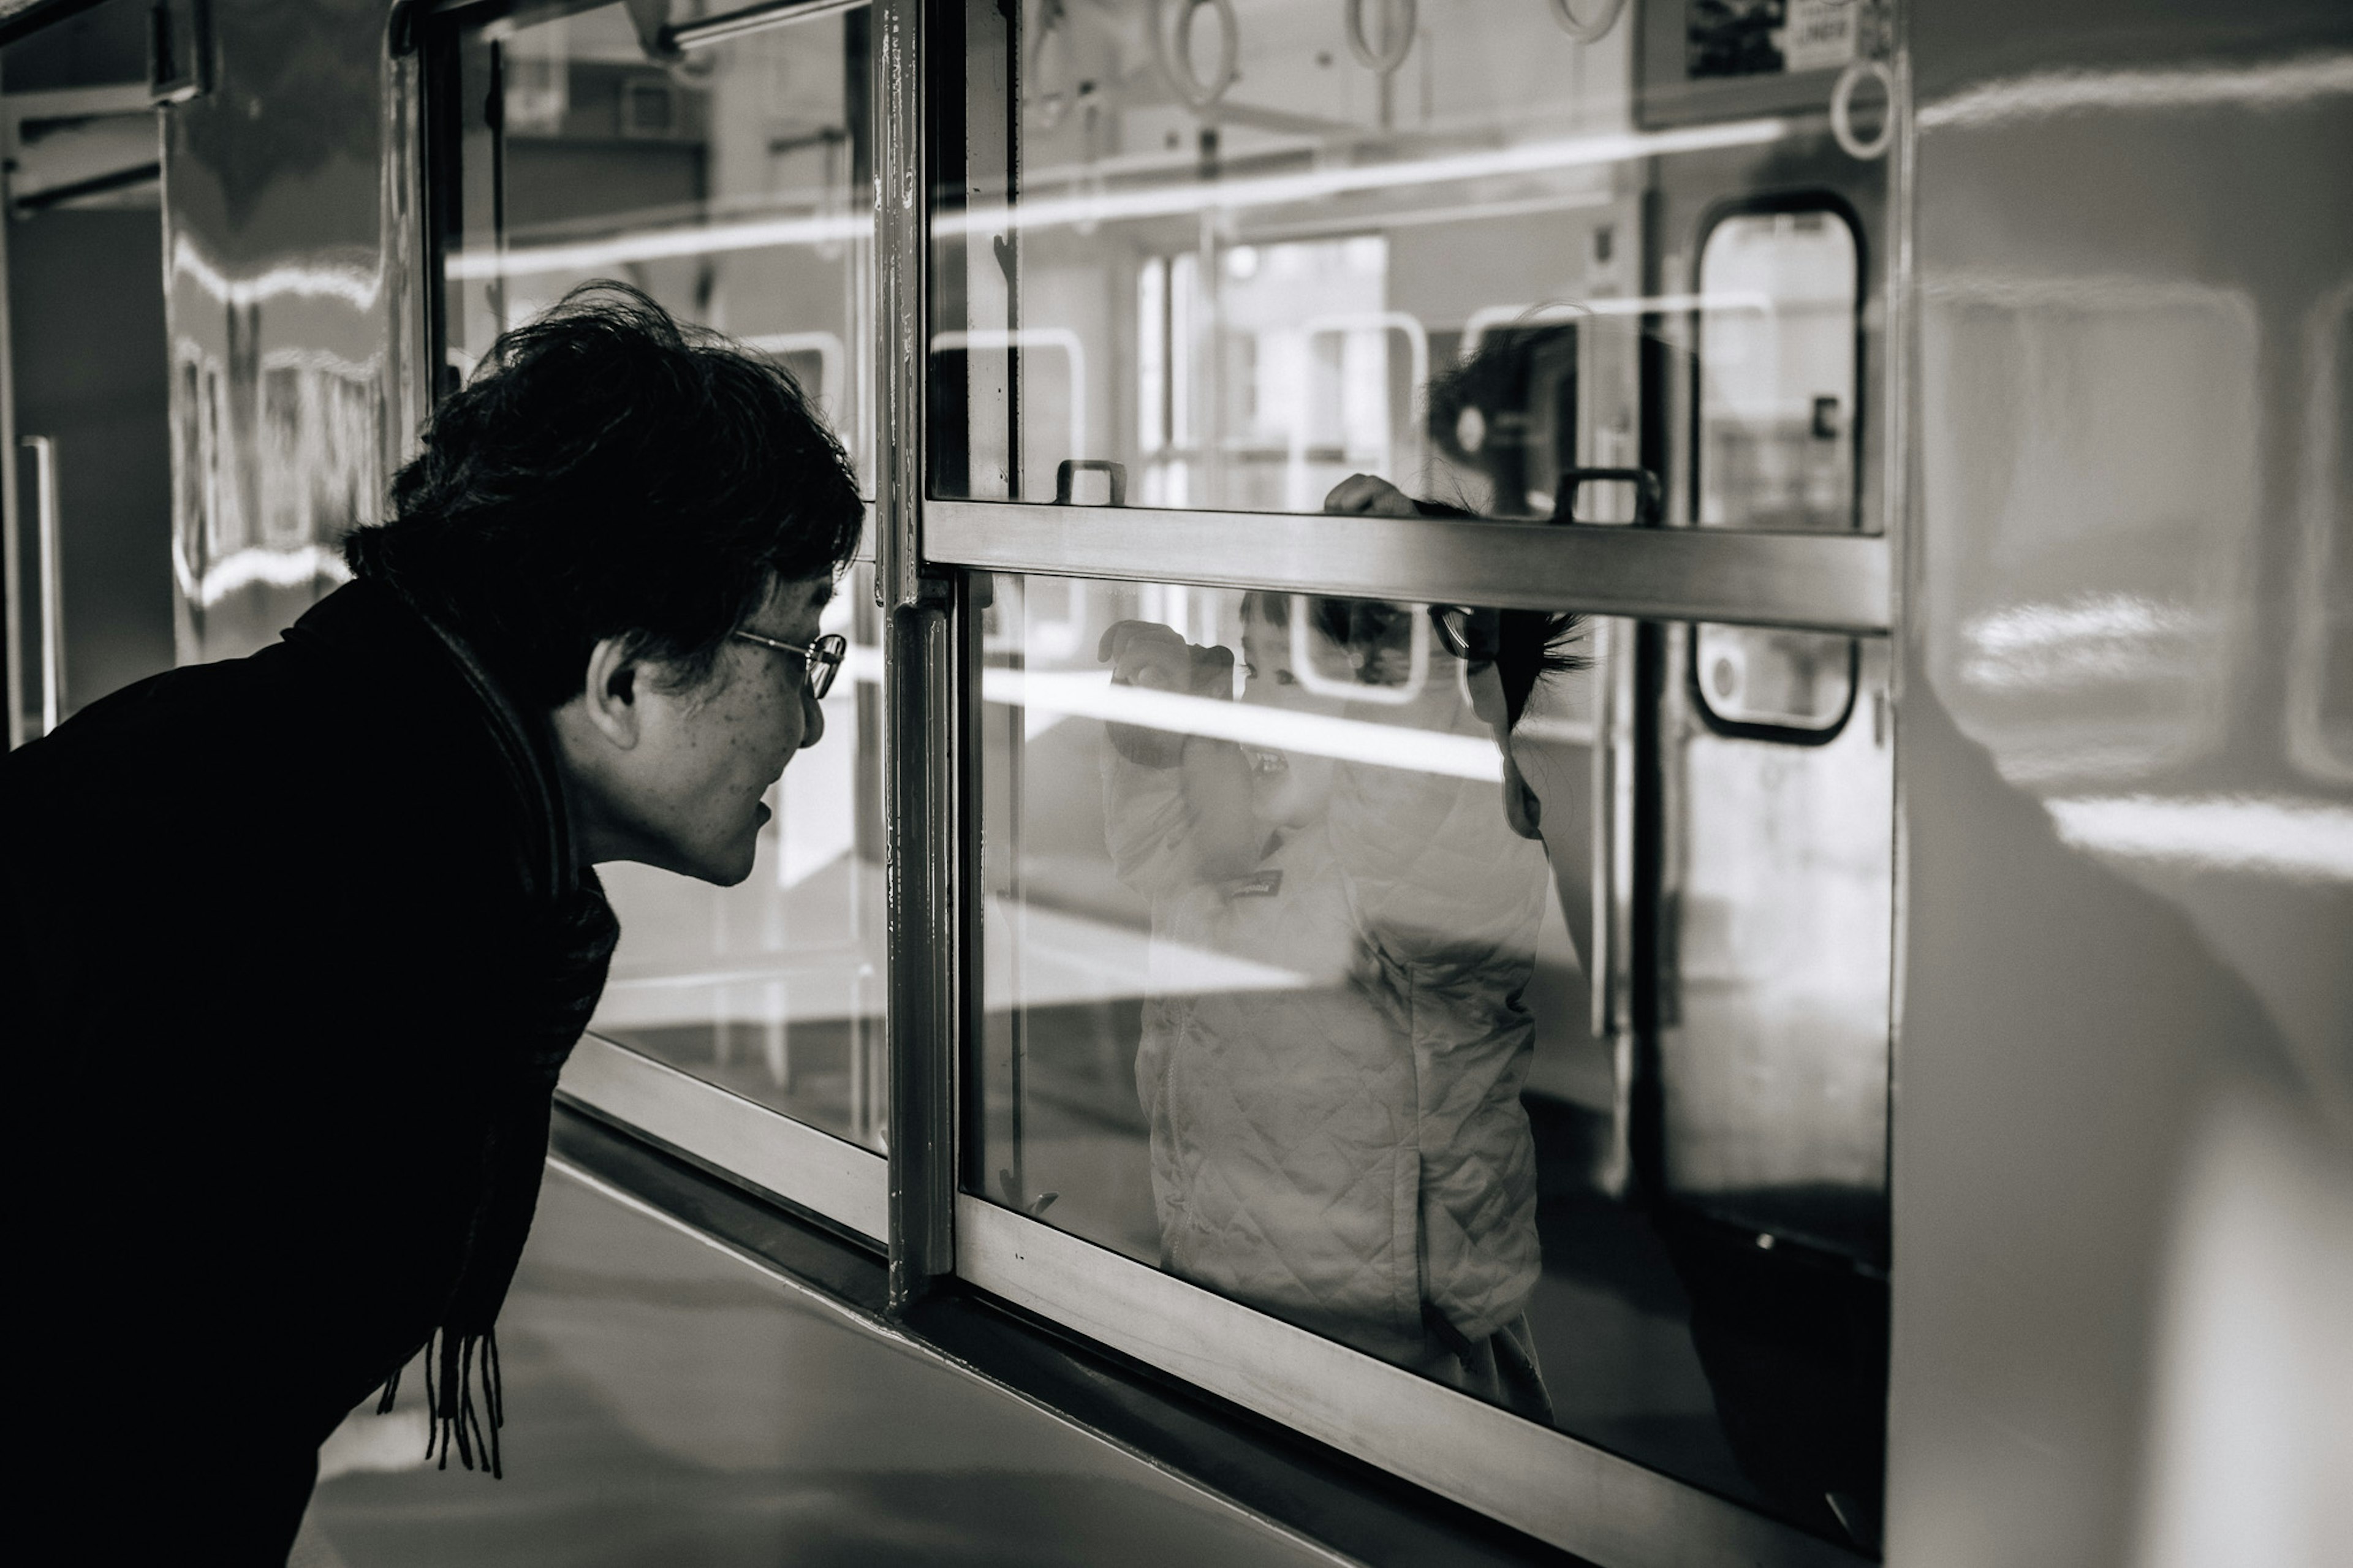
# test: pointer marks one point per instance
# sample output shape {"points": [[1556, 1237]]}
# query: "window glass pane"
{"points": [[1777, 445], [1289, 902], [1765, 679], [1243, 248], [735, 188], [772, 988], [1777, 371]]}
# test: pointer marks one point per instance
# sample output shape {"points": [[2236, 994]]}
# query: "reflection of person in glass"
{"points": [[1344, 1145]]}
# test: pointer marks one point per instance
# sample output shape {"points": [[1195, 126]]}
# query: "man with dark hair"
{"points": [[298, 942]]}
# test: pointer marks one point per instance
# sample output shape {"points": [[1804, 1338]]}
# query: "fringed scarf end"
{"points": [[457, 1420]]}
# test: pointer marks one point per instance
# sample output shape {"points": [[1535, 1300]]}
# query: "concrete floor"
{"points": [[669, 1404]]}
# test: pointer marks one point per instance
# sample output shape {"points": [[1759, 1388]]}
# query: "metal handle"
{"points": [[1601, 957], [1396, 42], [1174, 57], [1649, 501], [1068, 468], [1856, 73], [51, 583], [1580, 28]]}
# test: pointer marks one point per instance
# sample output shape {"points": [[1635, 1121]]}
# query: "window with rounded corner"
{"points": [[1776, 382]]}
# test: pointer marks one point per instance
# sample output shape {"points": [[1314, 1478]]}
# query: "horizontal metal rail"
{"points": [[1571, 1494], [707, 30], [1821, 581], [790, 1158]]}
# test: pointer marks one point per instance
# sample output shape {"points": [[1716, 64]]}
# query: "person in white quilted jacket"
{"points": [[1346, 1149]]}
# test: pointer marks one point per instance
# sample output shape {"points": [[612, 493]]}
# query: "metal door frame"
{"points": [[928, 552]]}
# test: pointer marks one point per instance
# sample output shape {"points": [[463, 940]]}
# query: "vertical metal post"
{"points": [[51, 581], [919, 673], [11, 542]]}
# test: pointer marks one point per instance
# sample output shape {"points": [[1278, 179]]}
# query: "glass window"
{"points": [[1244, 250], [1776, 371], [772, 988], [733, 186], [1777, 447], [1288, 905]]}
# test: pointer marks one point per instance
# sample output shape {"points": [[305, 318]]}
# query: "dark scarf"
{"points": [[559, 975]]}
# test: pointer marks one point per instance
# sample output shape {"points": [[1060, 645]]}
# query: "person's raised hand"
{"points": [[1368, 495], [1148, 654]]}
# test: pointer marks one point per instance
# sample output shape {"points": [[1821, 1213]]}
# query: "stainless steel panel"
{"points": [[1826, 583], [796, 1162], [287, 276], [1577, 1497], [2126, 886]]}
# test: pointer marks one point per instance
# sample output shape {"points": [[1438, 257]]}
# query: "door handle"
{"points": [[51, 583], [1067, 471], [1650, 499]]}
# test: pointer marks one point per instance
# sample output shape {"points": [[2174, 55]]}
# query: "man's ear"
{"points": [[609, 695]]}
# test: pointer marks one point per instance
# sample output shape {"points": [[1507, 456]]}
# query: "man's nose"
{"points": [[812, 719]]}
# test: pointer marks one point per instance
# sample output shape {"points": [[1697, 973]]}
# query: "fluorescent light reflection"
{"points": [[254, 565], [2087, 641], [2305, 840], [2282, 84], [1088, 207], [1088, 694], [355, 286]]}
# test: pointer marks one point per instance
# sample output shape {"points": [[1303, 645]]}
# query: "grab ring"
{"points": [[1843, 108], [1177, 65], [1395, 46], [1052, 104], [1583, 31]]}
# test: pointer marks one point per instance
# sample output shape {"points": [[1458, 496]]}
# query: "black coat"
{"points": [[293, 952]]}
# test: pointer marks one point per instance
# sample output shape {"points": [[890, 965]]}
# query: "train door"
{"points": [[1372, 674], [90, 587], [1763, 843]]}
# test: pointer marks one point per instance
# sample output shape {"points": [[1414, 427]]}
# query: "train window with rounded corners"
{"points": [[1776, 385]]}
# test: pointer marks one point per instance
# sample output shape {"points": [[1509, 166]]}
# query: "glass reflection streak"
{"points": [[1338, 1140]]}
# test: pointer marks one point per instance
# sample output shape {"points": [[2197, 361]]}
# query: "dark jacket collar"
{"points": [[371, 623]]}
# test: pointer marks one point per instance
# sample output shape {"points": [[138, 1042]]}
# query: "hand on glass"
{"points": [[1151, 656], [1148, 654], [1368, 495]]}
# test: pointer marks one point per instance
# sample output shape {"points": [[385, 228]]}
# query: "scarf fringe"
{"points": [[457, 1417]]}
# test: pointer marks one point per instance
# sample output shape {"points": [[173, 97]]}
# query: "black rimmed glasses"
{"points": [[821, 660]]}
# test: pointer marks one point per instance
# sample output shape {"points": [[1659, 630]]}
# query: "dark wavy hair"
{"points": [[609, 471]]}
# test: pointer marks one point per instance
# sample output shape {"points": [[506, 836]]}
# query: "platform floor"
{"points": [[668, 1402]]}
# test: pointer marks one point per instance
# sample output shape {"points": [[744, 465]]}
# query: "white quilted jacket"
{"points": [[1346, 1149]]}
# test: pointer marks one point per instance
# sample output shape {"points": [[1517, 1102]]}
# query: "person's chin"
{"points": [[737, 868], [728, 867]]}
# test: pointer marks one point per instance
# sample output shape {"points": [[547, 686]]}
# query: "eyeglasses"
{"points": [[820, 660]]}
